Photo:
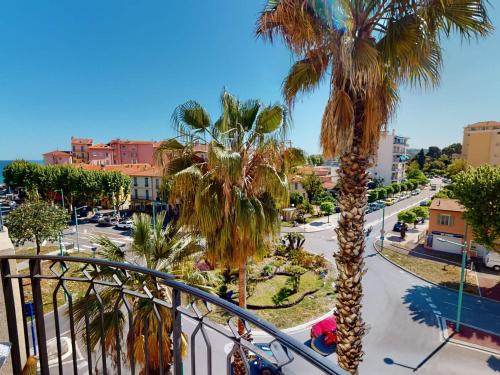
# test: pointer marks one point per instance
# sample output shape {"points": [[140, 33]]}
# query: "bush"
{"points": [[282, 296], [323, 197], [297, 198], [306, 207]]}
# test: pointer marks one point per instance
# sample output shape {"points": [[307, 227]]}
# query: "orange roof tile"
{"points": [[101, 146], [58, 153], [126, 141], [446, 204], [85, 141]]}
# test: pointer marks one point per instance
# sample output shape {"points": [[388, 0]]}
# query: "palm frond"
{"points": [[190, 116]]}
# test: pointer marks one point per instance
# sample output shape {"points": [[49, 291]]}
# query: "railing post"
{"points": [[35, 271], [177, 332], [12, 311]]}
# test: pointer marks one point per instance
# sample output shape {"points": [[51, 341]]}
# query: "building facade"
{"points": [[133, 152], [57, 157], [481, 143], [389, 165], [100, 154], [80, 149], [327, 174]]}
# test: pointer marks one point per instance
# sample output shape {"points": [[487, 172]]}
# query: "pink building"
{"points": [[57, 157], [80, 149], [133, 152], [100, 154]]}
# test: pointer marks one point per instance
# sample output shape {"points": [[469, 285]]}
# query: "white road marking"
{"points": [[437, 312], [432, 305], [423, 294], [428, 299]]}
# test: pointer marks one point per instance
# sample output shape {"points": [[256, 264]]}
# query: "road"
{"points": [[401, 312]]}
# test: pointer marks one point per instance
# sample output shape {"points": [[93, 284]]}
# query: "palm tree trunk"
{"points": [[242, 292], [239, 367], [349, 260]]}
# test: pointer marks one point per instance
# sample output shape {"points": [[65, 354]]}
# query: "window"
{"points": [[107, 154], [136, 194], [146, 181], [81, 148], [296, 186], [445, 220], [135, 181], [157, 183], [147, 194]]}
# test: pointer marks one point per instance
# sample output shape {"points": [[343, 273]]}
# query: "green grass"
{"points": [[309, 308], [32, 250], [436, 272]]}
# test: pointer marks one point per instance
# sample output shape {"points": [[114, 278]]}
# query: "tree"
{"points": [[327, 208], [422, 212], [373, 195], [396, 188], [169, 250], [322, 197], [296, 198], [477, 189], [233, 198], [407, 216], [365, 53], [312, 185], [454, 148], [456, 167], [421, 158], [383, 192], [434, 152], [315, 159], [36, 221]]}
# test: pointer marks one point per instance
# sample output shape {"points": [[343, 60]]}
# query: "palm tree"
{"points": [[367, 48], [230, 196], [157, 248]]}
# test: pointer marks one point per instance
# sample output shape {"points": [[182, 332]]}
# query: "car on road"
{"points": [[390, 201], [415, 192], [492, 260], [124, 224], [107, 221], [397, 227], [433, 187], [96, 217]]}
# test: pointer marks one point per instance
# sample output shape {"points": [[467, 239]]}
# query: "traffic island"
{"points": [[470, 336]]}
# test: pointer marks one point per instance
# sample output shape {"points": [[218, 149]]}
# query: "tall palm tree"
{"points": [[155, 247], [230, 196], [366, 49]]}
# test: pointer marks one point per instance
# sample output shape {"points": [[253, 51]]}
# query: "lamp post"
{"points": [[76, 227], [382, 231], [462, 273]]}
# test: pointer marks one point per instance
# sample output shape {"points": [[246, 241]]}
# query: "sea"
{"points": [[4, 163]]}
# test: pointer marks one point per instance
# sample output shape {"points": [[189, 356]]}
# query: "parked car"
{"points": [[96, 217], [433, 187], [492, 260], [389, 201], [107, 221], [397, 227], [415, 192], [424, 203], [124, 224]]}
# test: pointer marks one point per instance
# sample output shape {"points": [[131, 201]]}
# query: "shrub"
{"points": [[282, 296], [297, 198]]}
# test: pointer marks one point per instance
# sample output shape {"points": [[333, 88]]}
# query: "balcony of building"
{"points": [[73, 302]]}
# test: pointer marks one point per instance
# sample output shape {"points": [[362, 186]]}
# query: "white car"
{"points": [[492, 260], [124, 224]]}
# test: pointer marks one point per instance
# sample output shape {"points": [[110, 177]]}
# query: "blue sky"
{"points": [[118, 68]]}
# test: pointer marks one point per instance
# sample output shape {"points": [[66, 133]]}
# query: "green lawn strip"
{"points": [[436, 272], [76, 288], [32, 251]]}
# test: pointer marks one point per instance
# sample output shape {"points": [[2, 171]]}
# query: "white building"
{"points": [[390, 161]]}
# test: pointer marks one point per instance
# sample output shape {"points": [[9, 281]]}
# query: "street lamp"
{"points": [[382, 231], [462, 273], [76, 209]]}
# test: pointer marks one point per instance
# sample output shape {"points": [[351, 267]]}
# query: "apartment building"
{"points": [[100, 154], [327, 175], [80, 149], [481, 143], [133, 152], [389, 164], [57, 157]]}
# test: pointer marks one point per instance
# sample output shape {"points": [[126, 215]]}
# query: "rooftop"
{"points": [[101, 146], [490, 125], [446, 204], [81, 141], [58, 153]]}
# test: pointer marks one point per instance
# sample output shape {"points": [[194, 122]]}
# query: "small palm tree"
{"points": [[157, 248], [230, 196], [364, 49]]}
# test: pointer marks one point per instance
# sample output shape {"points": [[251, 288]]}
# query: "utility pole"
{"points": [[382, 231]]}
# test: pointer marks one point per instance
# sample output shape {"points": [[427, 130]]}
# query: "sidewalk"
{"points": [[316, 225], [472, 337]]}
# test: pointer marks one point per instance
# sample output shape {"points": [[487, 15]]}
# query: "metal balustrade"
{"points": [[211, 345]]}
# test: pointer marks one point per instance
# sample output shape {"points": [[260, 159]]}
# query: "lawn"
{"points": [[439, 273], [77, 289], [32, 251], [309, 308]]}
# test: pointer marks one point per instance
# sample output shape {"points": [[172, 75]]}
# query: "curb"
{"points": [[427, 281], [296, 329]]}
